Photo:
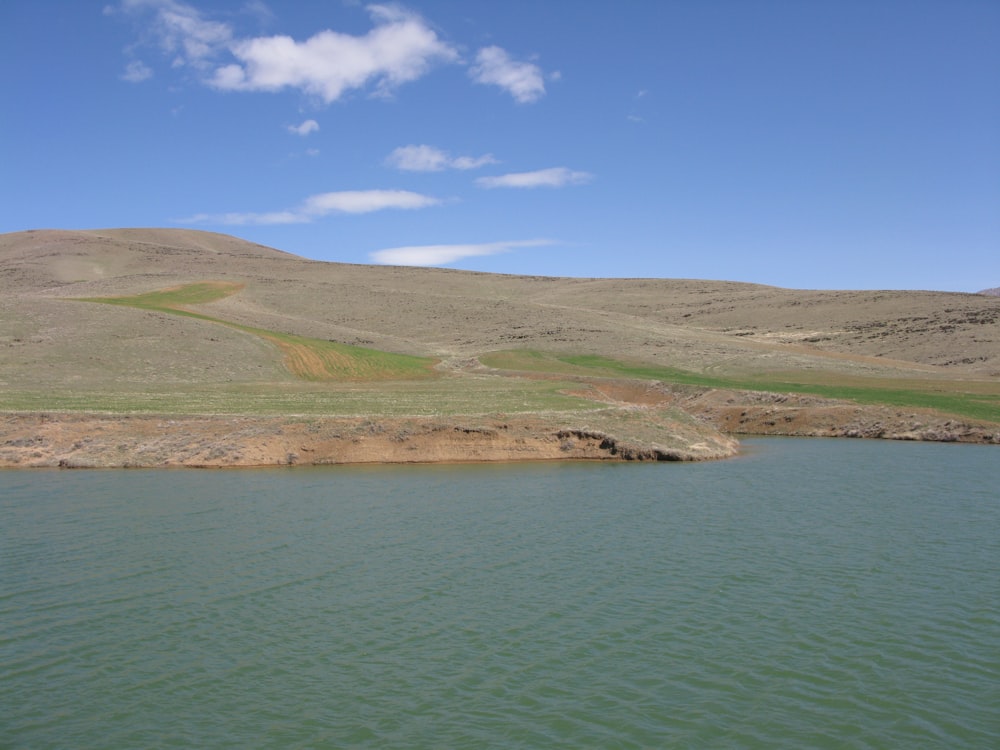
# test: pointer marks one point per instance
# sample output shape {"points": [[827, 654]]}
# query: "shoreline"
{"points": [[690, 426], [49, 440], [765, 414]]}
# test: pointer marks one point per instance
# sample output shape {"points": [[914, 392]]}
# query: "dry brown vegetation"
{"points": [[255, 322]]}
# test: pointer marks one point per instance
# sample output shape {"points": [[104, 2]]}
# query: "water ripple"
{"points": [[800, 597]]}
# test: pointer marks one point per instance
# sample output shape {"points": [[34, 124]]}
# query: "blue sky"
{"points": [[839, 144]]}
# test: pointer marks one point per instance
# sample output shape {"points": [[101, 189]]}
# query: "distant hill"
{"points": [[994, 292]]}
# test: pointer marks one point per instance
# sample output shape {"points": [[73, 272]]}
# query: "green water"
{"points": [[812, 594]]}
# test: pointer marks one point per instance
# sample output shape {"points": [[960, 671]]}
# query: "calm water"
{"points": [[815, 593]]}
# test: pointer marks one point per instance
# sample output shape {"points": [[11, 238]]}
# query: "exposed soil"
{"points": [[753, 413], [778, 414], [105, 441]]}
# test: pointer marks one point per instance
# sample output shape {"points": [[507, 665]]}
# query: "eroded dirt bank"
{"points": [[643, 422], [804, 416], [104, 441], [761, 413]]}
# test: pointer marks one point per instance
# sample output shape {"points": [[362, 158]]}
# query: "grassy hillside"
{"points": [[979, 400], [177, 320], [305, 358]]}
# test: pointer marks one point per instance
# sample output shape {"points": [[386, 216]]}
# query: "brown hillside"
{"points": [[700, 325], [260, 356]]}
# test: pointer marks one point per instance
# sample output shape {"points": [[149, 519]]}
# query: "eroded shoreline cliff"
{"points": [[115, 441], [632, 433]]}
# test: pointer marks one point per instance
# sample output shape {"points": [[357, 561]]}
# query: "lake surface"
{"points": [[813, 593]]}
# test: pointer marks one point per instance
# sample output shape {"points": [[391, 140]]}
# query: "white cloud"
{"points": [[241, 219], [522, 80], [469, 162], [430, 159], [137, 71], [307, 127], [401, 48], [437, 255], [323, 204], [365, 201], [554, 177]]}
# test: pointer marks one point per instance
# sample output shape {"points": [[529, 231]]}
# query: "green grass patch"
{"points": [[593, 366], [307, 358], [167, 300], [978, 400], [649, 372]]}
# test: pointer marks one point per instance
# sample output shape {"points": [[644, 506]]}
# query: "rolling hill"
{"points": [[170, 321]]}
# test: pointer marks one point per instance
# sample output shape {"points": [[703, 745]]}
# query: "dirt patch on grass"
{"points": [[314, 360], [304, 361]]}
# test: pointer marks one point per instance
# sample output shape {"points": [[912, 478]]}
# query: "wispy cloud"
{"points": [[304, 128], [258, 9], [439, 255], [522, 80], [430, 159], [554, 177], [243, 219], [366, 201], [182, 31], [137, 71], [323, 204], [633, 116]]}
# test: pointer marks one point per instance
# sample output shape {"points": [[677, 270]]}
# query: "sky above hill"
{"points": [[809, 144]]}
